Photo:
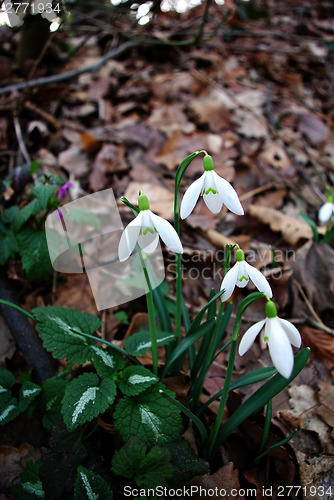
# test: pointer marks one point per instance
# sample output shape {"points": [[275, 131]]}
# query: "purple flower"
{"points": [[63, 189]]}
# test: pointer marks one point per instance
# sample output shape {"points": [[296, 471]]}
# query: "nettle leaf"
{"points": [[106, 361], [43, 194], [9, 411], [53, 392], [7, 380], [85, 399], [34, 252], [8, 247], [91, 486], [150, 416], [139, 343], [136, 379], [30, 486], [55, 325], [28, 393], [185, 461], [149, 470], [32, 208]]}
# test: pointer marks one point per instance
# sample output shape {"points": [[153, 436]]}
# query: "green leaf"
{"points": [[8, 247], [188, 341], [139, 343], [28, 392], [187, 464], [261, 397], [90, 486], [43, 194], [149, 416], [30, 486], [85, 399], [53, 392], [148, 470], [312, 225], [126, 461], [32, 208], [122, 316], [9, 411], [34, 252], [106, 361], [135, 379], [7, 379], [55, 326]]}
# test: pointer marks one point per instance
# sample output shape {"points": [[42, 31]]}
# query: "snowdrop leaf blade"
{"points": [[129, 238], [291, 331], [250, 336], [167, 233], [261, 397], [229, 282], [228, 194], [280, 349], [259, 280], [191, 196]]}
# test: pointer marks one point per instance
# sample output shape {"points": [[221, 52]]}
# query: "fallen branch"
{"points": [[26, 337], [69, 74]]}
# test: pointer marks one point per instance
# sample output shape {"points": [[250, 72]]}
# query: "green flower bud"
{"points": [[271, 311], [208, 163], [239, 254], [143, 203]]}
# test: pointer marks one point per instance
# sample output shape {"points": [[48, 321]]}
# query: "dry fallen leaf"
{"points": [[292, 229], [74, 160], [161, 199], [14, 460], [226, 480], [314, 129]]}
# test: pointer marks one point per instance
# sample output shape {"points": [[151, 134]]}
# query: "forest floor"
{"points": [[259, 97]]}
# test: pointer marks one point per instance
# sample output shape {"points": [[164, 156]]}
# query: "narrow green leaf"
{"points": [[188, 341], [312, 225], [276, 445], [261, 397]]}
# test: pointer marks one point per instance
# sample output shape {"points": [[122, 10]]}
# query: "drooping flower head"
{"points": [[240, 274], [145, 230], [279, 334], [63, 190], [215, 190], [326, 211]]}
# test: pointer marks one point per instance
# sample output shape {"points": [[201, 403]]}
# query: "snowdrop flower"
{"points": [[215, 191], [326, 212], [145, 230], [279, 335], [240, 274]]}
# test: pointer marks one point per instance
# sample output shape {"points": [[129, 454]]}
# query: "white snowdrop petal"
{"points": [[259, 280], [291, 331], [249, 337], [191, 196], [243, 278], [229, 282], [129, 238], [213, 202], [167, 233], [228, 195], [326, 212], [280, 349]]}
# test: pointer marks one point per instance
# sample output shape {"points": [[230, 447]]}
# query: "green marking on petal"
{"points": [[148, 230], [210, 190], [266, 339], [243, 278]]}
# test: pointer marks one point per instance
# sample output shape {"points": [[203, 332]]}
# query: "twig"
{"points": [[318, 321], [43, 114], [20, 140], [70, 74]]}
